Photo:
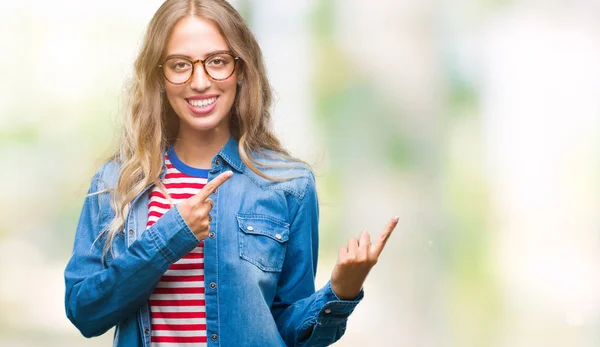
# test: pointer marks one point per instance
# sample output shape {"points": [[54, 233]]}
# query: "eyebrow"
{"points": [[190, 58]]}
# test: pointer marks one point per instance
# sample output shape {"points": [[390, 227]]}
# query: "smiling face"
{"points": [[202, 104]]}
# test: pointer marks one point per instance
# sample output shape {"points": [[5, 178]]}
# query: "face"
{"points": [[202, 104]]}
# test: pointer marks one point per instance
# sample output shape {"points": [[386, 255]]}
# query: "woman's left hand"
{"points": [[355, 262]]}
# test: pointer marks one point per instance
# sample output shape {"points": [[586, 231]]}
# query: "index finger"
{"points": [[378, 246], [210, 187]]}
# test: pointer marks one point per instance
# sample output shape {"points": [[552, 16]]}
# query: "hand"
{"points": [[196, 210], [356, 260]]}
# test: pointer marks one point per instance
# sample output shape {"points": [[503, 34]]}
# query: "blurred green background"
{"points": [[475, 121]]}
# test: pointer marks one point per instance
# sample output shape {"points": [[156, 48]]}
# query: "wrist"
{"points": [[346, 294]]}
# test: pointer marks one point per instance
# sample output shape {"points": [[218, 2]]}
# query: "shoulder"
{"points": [[106, 176], [282, 173]]}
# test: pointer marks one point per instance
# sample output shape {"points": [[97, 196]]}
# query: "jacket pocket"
{"points": [[263, 240]]}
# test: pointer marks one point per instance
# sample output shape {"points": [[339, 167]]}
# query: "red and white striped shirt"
{"points": [[177, 305]]}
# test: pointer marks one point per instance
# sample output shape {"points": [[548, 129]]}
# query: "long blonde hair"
{"points": [[150, 124]]}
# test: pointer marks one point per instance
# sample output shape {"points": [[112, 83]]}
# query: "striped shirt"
{"points": [[177, 305]]}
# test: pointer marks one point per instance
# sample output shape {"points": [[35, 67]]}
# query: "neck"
{"points": [[198, 149]]}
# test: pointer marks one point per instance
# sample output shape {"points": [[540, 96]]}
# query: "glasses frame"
{"points": [[194, 62]]}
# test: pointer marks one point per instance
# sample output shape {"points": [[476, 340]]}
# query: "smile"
{"points": [[202, 103]]}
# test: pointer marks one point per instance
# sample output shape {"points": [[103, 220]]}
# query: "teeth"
{"points": [[202, 103]]}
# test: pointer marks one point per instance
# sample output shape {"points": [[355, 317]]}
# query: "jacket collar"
{"points": [[230, 153]]}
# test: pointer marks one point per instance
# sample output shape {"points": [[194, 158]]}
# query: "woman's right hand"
{"points": [[196, 210]]}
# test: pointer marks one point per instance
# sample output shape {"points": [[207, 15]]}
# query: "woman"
{"points": [[202, 230]]}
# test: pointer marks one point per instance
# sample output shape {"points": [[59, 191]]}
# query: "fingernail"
{"points": [[396, 219]]}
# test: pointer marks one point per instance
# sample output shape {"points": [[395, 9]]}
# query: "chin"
{"points": [[206, 123]]}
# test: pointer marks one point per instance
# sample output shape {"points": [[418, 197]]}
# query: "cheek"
{"points": [[173, 95], [231, 89], [228, 86]]}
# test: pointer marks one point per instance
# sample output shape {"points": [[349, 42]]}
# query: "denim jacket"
{"points": [[260, 262]]}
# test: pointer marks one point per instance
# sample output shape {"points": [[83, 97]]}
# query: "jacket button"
{"points": [[218, 161], [214, 337], [278, 236], [250, 227], [131, 232], [212, 285], [327, 310], [211, 235], [147, 331]]}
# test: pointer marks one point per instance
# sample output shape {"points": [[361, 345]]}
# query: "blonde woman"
{"points": [[202, 230]]}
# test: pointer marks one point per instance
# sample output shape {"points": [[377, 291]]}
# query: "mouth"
{"points": [[202, 106], [204, 103]]}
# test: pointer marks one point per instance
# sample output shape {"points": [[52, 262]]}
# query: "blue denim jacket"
{"points": [[260, 264]]}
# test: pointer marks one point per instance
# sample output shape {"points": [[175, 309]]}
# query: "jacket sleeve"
{"points": [[98, 297], [297, 308]]}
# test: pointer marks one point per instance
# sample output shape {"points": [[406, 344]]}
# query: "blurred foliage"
{"points": [[357, 122]]}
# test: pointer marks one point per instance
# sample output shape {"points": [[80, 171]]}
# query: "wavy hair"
{"points": [[150, 124]]}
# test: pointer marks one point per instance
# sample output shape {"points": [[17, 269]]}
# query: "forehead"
{"points": [[195, 37]]}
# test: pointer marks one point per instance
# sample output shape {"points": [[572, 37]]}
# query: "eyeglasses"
{"points": [[218, 66]]}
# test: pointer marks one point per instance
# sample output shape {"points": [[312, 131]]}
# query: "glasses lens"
{"points": [[177, 70], [220, 66]]}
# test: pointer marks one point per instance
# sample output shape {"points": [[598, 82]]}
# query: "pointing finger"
{"points": [[210, 187], [377, 247]]}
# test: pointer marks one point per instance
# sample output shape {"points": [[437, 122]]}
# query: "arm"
{"points": [[98, 297], [305, 317]]}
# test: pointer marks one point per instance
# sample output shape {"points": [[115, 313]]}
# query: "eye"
{"points": [[180, 65], [218, 61]]}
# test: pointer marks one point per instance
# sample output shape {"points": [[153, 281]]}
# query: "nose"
{"points": [[200, 80]]}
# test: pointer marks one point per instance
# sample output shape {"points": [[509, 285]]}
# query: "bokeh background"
{"points": [[477, 122]]}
